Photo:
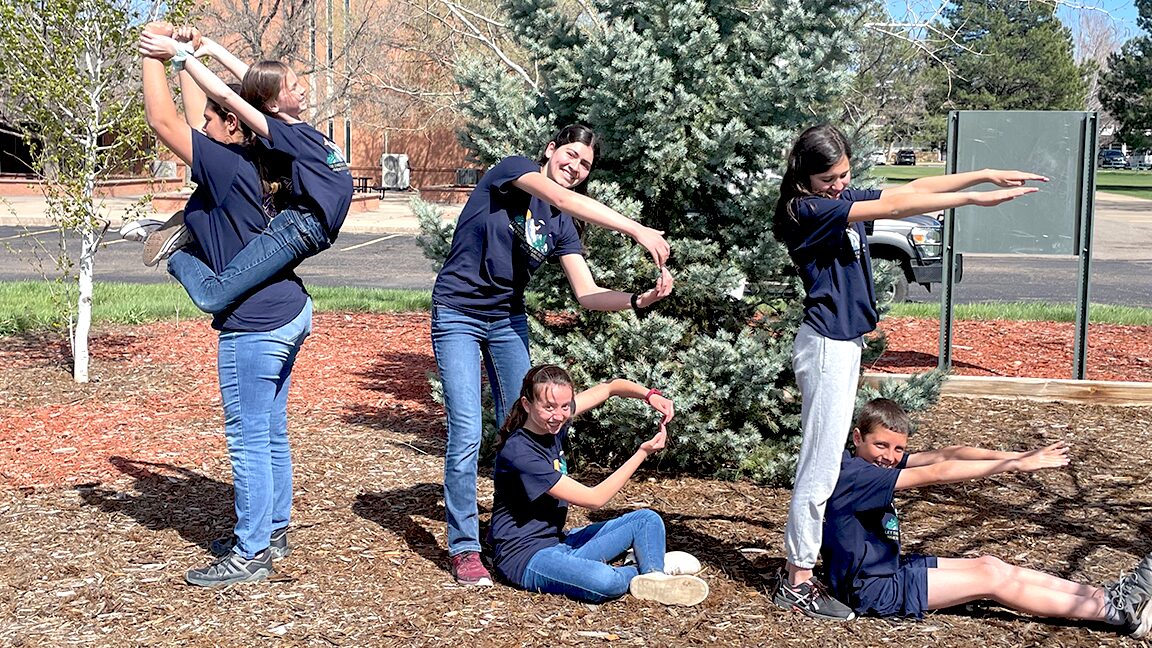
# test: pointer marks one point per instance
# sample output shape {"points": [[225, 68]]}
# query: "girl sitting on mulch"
{"points": [[861, 547], [533, 491]]}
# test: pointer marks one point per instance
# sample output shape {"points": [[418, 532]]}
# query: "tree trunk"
{"points": [[89, 239]]}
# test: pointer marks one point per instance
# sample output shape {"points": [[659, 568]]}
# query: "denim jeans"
{"points": [[578, 567], [460, 341], [255, 370], [828, 373], [289, 238]]}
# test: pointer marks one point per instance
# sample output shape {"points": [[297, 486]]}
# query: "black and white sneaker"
{"points": [[278, 545], [232, 569], [811, 599]]}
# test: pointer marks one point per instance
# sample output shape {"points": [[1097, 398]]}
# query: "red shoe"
{"points": [[467, 569]]}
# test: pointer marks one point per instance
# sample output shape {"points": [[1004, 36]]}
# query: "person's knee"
{"points": [[994, 571], [648, 517]]}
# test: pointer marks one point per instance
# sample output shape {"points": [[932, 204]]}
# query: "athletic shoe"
{"points": [[1132, 597], [138, 230], [675, 562], [171, 236], [680, 589], [232, 569], [469, 571], [278, 545], [811, 599]]}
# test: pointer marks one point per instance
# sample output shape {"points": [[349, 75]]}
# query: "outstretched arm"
{"points": [[164, 47], [594, 497], [160, 110], [902, 205], [954, 470], [209, 47], [958, 453], [591, 211], [953, 182], [595, 396], [593, 297]]}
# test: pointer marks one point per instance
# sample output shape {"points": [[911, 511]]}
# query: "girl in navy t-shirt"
{"points": [[520, 214], [533, 490], [260, 335], [821, 221], [319, 184]]}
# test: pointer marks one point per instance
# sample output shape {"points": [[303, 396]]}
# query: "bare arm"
{"points": [[591, 211], [957, 453], [953, 182], [593, 297], [209, 47], [194, 101], [160, 110], [594, 497], [954, 470], [595, 396], [902, 205]]}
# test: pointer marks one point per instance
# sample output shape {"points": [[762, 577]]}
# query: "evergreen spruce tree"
{"points": [[1126, 88], [696, 103]]}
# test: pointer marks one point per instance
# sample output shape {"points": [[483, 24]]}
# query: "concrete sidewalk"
{"points": [[394, 215]]}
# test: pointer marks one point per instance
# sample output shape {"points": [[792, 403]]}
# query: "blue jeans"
{"points": [[255, 370], [289, 238], [460, 341], [578, 567]]}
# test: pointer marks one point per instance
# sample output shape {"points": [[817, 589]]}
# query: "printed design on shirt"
{"points": [[561, 464], [335, 160], [529, 231], [891, 524], [854, 240]]}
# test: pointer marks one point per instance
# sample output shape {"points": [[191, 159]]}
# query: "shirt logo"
{"points": [[529, 231], [891, 525], [335, 160], [561, 464], [854, 240]]}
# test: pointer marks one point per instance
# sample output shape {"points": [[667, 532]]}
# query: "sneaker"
{"points": [[138, 230], [232, 569], [1131, 596], [675, 562], [278, 546], [165, 240], [468, 570], [679, 589], [811, 599]]}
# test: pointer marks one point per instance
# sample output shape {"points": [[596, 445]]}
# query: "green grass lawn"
{"points": [[1137, 184]]}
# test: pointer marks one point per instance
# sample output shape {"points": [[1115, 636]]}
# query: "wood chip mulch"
{"points": [[111, 490]]}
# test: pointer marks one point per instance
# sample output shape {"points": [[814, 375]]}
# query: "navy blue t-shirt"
{"points": [[525, 518], [502, 236], [832, 257], [320, 177], [225, 213], [861, 528]]}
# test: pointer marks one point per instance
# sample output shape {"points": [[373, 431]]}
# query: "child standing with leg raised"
{"points": [[821, 220]]}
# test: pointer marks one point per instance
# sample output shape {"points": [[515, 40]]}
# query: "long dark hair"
{"points": [[816, 150], [536, 377]]}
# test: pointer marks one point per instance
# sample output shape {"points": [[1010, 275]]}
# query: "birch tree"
{"points": [[69, 75]]}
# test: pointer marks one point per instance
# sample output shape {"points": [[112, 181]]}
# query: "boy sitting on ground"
{"points": [[861, 546]]}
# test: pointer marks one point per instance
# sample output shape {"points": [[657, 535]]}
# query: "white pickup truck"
{"points": [[1140, 160]]}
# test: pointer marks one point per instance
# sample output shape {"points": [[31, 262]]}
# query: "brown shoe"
{"points": [[171, 236]]}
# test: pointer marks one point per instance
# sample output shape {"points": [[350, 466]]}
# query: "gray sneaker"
{"points": [[1132, 597], [163, 241], [232, 569], [278, 544], [811, 599]]}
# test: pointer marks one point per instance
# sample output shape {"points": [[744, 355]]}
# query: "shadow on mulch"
{"points": [[397, 509], [170, 497], [52, 349], [918, 360]]}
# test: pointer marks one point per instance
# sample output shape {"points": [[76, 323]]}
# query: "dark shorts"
{"points": [[904, 593]]}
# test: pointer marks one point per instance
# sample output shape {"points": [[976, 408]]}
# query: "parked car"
{"points": [[878, 158], [905, 157], [1111, 159], [1140, 160], [916, 245]]}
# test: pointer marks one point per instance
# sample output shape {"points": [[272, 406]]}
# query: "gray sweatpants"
{"points": [[828, 372]]}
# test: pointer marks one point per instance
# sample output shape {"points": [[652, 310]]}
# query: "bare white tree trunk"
{"points": [[89, 239]]}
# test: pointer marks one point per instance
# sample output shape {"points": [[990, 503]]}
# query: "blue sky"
{"points": [[1123, 12]]}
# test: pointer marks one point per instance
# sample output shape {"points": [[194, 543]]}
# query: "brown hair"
{"points": [[263, 82], [816, 150], [536, 377], [885, 413]]}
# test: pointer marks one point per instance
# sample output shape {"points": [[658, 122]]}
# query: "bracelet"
{"points": [[635, 301], [179, 57], [652, 392]]}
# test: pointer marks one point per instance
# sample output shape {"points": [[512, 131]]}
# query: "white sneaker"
{"points": [[675, 562], [138, 230], [668, 589], [681, 562]]}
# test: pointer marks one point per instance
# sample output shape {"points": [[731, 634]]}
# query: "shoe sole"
{"points": [[789, 605], [254, 577], [160, 243], [671, 590], [483, 582]]}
